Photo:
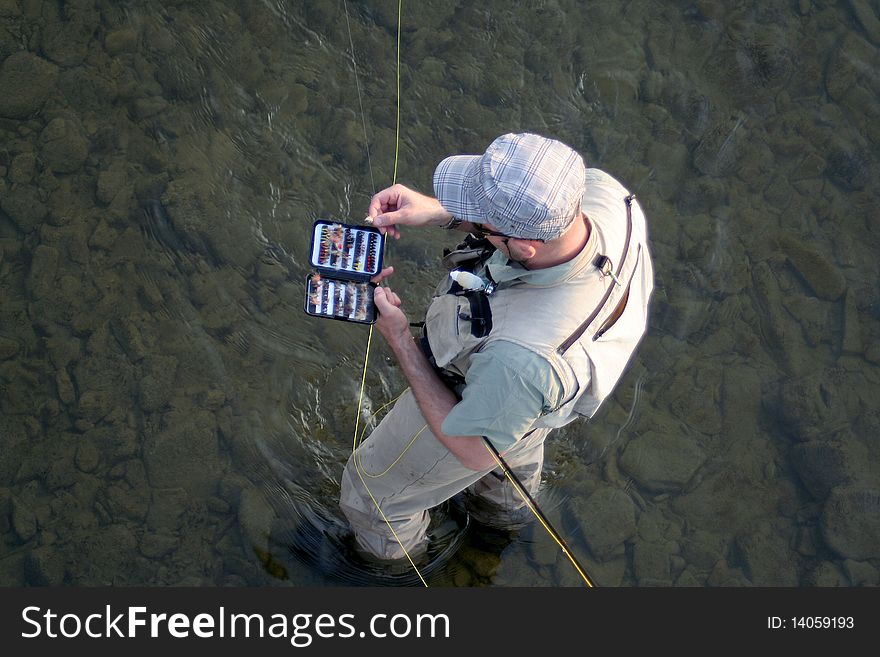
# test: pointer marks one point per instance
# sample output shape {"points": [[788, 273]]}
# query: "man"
{"points": [[562, 303]]}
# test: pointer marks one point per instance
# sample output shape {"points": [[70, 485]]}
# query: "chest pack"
{"points": [[573, 324]]}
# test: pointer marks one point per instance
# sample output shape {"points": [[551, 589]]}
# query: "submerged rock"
{"points": [[809, 407], [121, 41], [24, 521], [155, 545], [606, 519], [767, 557], [8, 347], [822, 276], [27, 82], [717, 152], [822, 466], [255, 516], [662, 462], [24, 205], [850, 169], [63, 147], [851, 522], [44, 566], [651, 563], [67, 30], [185, 454]]}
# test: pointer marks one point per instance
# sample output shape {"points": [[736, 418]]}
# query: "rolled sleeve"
{"points": [[507, 388]]}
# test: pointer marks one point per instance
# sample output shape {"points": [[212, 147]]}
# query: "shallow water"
{"points": [[168, 413]]}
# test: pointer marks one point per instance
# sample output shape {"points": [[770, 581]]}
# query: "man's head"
{"points": [[524, 186]]}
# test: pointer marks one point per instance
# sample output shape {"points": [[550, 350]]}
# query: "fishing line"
{"points": [[385, 242], [357, 84], [527, 498]]}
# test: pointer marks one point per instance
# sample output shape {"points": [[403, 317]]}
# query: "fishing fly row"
{"points": [[341, 299], [346, 248]]}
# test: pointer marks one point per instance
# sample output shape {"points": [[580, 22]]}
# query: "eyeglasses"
{"points": [[481, 231]]}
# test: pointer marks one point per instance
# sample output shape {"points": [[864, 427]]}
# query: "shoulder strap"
{"points": [[579, 331]]}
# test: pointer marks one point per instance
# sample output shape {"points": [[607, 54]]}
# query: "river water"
{"points": [[169, 415]]}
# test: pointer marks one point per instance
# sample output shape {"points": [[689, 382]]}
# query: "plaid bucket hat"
{"points": [[525, 185]]}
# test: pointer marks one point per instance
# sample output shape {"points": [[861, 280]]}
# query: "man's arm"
{"points": [[401, 206], [434, 399]]}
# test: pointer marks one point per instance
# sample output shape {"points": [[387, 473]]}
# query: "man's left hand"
{"points": [[392, 322]]}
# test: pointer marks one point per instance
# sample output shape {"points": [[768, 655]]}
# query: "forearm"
{"points": [[435, 401]]}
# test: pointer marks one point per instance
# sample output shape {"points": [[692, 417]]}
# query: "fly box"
{"points": [[345, 258]]}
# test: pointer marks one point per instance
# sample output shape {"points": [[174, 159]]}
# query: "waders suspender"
{"points": [[579, 331]]}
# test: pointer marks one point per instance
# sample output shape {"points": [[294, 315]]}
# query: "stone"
{"points": [[103, 237], [66, 389], [27, 82], [850, 522], [103, 556], [767, 557], [144, 108], [24, 206], [861, 573], [93, 405], [167, 508], [662, 462], [110, 182], [63, 147], [717, 152], [824, 279], [24, 521], [689, 578], [810, 408], [65, 37], [651, 563], [121, 41], [21, 170], [812, 313], [700, 411], [8, 348], [9, 8], [849, 169], [44, 265], [87, 456], [126, 502], [821, 466], [606, 519], [779, 193], [740, 400], [155, 545], [44, 566], [868, 20], [852, 336], [255, 517]]}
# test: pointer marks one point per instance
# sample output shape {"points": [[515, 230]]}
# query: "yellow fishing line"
{"points": [[370, 334], [395, 461], [361, 472]]}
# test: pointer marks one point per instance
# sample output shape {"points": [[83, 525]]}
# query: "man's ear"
{"points": [[529, 249]]}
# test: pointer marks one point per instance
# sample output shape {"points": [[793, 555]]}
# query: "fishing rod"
{"points": [[536, 510]]}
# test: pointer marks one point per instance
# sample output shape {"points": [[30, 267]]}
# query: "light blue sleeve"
{"points": [[507, 388]]}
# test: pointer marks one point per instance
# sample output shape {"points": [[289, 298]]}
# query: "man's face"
{"points": [[516, 249]]}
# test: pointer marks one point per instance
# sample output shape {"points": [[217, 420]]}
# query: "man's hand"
{"points": [[392, 322], [398, 205]]}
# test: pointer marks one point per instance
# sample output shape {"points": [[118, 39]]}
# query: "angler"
{"points": [[536, 335]]}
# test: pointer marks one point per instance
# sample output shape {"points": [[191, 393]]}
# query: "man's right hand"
{"points": [[401, 206]]}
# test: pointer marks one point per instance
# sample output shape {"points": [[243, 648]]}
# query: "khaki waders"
{"points": [[407, 471]]}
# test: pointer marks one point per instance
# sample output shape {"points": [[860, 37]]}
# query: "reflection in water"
{"points": [[169, 415]]}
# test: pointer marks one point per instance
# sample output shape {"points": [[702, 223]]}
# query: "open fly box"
{"points": [[345, 258]]}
